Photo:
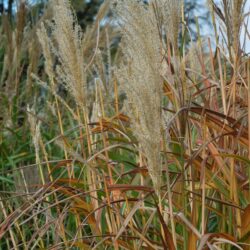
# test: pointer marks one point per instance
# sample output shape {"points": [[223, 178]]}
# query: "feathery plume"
{"points": [[171, 17], [66, 42], [141, 80]]}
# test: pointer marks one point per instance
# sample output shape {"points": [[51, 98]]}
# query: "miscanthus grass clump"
{"points": [[138, 135]]}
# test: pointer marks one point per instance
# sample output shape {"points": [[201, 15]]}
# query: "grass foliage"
{"points": [[129, 135]]}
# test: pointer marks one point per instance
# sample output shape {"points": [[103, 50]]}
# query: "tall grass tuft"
{"points": [[138, 135]]}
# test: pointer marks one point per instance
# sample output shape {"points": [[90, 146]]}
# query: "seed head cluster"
{"points": [[141, 80]]}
